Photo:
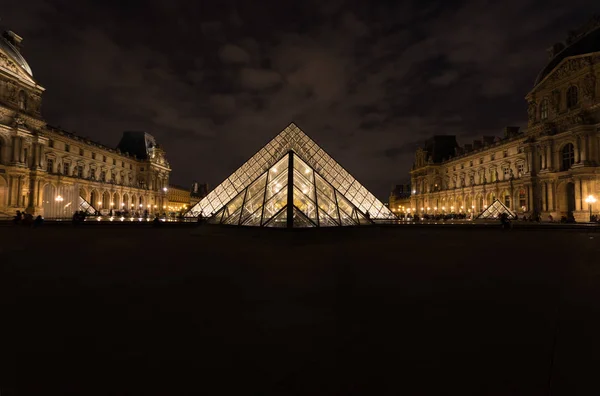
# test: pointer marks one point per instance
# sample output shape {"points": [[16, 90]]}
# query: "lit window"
{"points": [[568, 156], [506, 171], [522, 198], [572, 97], [520, 169], [544, 109]]}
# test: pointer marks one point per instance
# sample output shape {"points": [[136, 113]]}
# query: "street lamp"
{"points": [[59, 199], [590, 201]]}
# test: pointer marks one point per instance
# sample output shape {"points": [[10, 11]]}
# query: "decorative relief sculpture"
{"points": [[589, 86], [569, 67]]}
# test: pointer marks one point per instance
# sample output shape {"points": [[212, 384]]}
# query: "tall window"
{"points": [[520, 169], [79, 171], [93, 174], [49, 165], [544, 109], [103, 176], [568, 156], [65, 168], [572, 97], [507, 200], [522, 198]]}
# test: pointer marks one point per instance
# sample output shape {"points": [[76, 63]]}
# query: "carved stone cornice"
{"points": [[571, 66]]}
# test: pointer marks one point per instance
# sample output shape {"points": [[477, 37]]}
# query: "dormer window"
{"points": [[544, 110], [572, 97]]}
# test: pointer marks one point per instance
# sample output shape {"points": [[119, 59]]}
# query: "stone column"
{"points": [[544, 190], [577, 150], [583, 148], [551, 195], [15, 149], [549, 156], [578, 197], [22, 158]]}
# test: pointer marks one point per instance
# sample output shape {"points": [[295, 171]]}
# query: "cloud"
{"points": [[446, 78], [259, 79], [232, 54]]}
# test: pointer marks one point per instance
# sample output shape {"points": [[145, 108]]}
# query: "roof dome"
{"points": [[580, 42], [9, 48]]}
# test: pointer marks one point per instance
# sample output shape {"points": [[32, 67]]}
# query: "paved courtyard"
{"points": [[124, 310]]}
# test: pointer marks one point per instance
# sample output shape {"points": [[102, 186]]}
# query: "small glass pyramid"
{"points": [[495, 210], [291, 182]]}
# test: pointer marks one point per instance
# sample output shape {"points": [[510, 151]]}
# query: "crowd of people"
{"points": [[26, 219]]}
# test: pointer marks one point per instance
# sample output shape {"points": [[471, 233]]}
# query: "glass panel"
{"points": [[324, 187], [304, 185], [344, 205], [280, 220], [252, 205], [275, 204], [306, 205], [326, 205], [303, 169], [233, 218], [300, 220], [253, 219], [362, 220], [216, 219], [326, 221]]}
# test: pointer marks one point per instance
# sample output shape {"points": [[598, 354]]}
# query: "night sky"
{"points": [[213, 81]]}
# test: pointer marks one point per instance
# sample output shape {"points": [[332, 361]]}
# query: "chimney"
{"points": [[511, 131], [488, 140], [477, 144], [468, 148], [13, 38]]}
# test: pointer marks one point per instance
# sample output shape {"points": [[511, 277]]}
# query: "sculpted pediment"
{"points": [[568, 67], [7, 64]]}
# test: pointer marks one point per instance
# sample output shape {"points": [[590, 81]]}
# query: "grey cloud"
{"points": [[259, 79], [232, 54], [445, 78]]}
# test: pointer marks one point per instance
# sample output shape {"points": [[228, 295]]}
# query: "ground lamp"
{"points": [[590, 200]]}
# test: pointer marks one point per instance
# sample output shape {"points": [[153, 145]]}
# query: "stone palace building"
{"points": [[48, 171], [548, 169]]}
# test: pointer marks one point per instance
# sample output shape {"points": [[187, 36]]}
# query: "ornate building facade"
{"points": [[48, 171], [549, 169]]}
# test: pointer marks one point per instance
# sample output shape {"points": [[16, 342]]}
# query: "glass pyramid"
{"points": [[495, 210], [291, 182]]}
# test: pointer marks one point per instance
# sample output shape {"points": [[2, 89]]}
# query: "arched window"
{"points": [[22, 100], [572, 96], [522, 198], [568, 156], [544, 109]]}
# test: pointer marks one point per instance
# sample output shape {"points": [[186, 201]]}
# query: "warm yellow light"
{"points": [[112, 204], [122, 203], [443, 208], [422, 208], [148, 205], [435, 208], [451, 207], [99, 202], [590, 199], [428, 208], [472, 206], [59, 199], [164, 206], [461, 207]]}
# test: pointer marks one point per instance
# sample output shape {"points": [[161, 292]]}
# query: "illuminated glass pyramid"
{"points": [[291, 182], [495, 210]]}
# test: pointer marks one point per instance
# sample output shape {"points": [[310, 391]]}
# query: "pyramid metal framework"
{"points": [[291, 182], [495, 210]]}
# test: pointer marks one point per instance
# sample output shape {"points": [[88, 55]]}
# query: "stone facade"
{"points": [[549, 169], [45, 170]]}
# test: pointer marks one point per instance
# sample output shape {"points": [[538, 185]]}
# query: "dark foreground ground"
{"points": [[377, 311]]}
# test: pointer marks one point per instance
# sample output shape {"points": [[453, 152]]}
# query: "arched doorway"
{"points": [[106, 200], [116, 202], [505, 198], [125, 203], [83, 193], [94, 199]]}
